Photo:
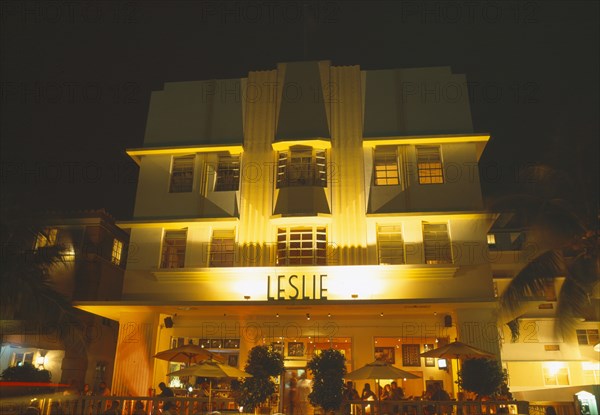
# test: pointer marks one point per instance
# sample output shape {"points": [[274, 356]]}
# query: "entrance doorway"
{"points": [[295, 387]]}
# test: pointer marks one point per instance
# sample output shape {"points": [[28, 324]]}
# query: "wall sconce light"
{"points": [[354, 295], [277, 315], [328, 314], [381, 315], [246, 297], [442, 364], [41, 361], [307, 316]]}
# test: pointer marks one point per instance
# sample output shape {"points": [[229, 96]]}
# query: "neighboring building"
{"points": [[308, 206], [93, 268], [542, 365]]}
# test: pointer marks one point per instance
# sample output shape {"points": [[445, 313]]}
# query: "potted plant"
{"points": [[25, 373], [328, 369], [263, 364], [484, 377]]}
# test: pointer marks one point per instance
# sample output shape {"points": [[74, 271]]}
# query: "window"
{"points": [[173, 250], [429, 165], [390, 244], [436, 243], [222, 248], [302, 246], [555, 374], [46, 238], [182, 174], [385, 164], [585, 337], [117, 249], [18, 359], [301, 166], [591, 373], [228, 174]]}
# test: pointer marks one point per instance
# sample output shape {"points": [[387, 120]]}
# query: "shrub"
{"points": [[328, 369]]}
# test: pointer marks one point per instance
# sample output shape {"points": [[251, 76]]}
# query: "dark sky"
{"points": [[77, 76]]}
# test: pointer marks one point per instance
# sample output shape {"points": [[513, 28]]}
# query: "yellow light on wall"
{"points": [[553, 367]]}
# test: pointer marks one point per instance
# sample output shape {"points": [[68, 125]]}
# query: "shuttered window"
{"points": [[228, 174], [222, 248], [302, 246], [173, 250], [429, 165], [301, 166], [436, 243], [182, 174], [385, 165], [390, 244]]}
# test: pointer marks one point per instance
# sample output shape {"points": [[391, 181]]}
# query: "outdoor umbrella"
{"points": [[379, 370], [458, 350], [211, 369], [189, 353]]}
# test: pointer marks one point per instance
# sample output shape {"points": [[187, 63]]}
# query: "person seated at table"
{"points": [[204, 393], [386, 393], [367, 394]]}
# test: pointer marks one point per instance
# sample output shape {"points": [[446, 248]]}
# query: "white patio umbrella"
{"points": [[211, 369], [189, 353], [380, 370], [458, 350]]}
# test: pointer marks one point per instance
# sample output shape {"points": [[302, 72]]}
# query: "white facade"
{"points": [[308, 204]]}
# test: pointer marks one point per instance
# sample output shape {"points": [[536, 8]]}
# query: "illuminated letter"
{"points": [[280, 291], [295, 296], [304, 296], [323, 290], [269, 298]]}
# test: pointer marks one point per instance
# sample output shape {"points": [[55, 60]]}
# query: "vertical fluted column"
{"points": [[348, 231], [257, 170], [134, 363]]}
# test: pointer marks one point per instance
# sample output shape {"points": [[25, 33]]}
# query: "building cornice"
{"points": [[167, 222], [137, 153]]}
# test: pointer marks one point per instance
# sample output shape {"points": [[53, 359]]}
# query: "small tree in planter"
{"points": [[25, 373], [483, 377], [263, 363], [328, 369]]}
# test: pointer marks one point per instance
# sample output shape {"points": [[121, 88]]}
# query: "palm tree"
{"points": [[27, 294], [565, 236]]}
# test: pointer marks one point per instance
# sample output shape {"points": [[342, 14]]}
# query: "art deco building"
{"points": [[92, 269], [309, 206], [543, 365]]}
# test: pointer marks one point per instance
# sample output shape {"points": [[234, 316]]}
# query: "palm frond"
{"points": [[573, 301], [515, 329], [531, 280]]}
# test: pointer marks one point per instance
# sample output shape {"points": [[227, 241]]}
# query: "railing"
{"points": [[128, 405], [407, 407], [561, 408]]}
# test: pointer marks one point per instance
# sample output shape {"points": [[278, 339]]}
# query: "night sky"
{"points": [[76, 78]]}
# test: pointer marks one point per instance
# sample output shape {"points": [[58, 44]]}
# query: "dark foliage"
{"points": [[484, 377], [328, 370], [263, 364]]}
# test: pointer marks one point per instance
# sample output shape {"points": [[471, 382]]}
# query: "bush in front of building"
{"points": [[483, 377], [263, 363], [328, 370], [26, 373]]}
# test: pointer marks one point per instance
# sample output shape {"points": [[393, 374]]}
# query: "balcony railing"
{"points": [[128, 405]]}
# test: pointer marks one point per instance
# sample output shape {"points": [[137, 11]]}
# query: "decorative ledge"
{"points": [[233, 273]]}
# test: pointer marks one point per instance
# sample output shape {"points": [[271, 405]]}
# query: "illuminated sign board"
{"points": [[296, 287]]}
